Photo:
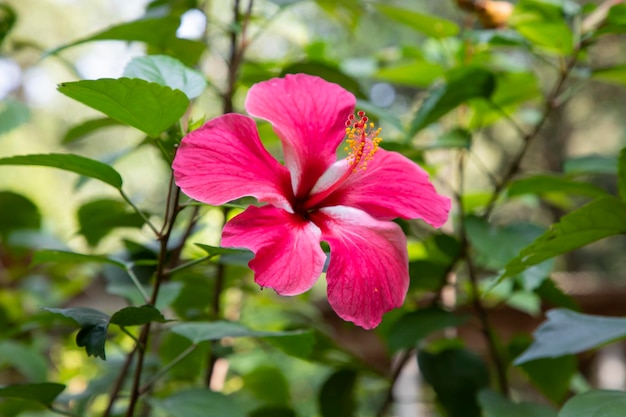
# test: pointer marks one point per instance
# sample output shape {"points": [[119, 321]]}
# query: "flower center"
{"points": [[362, 142]]}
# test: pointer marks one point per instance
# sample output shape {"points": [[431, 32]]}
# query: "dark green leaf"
{"points": [[149, 107], [298, 345], [336, 398], [462, 84], [44, 392], [435, 27], [98, 218], [599, 219], [78, 132], [167, 71], [57, 256], [455, 138], [552, 375], [136, 316], [621, 174], [94, 326], [615, 74], [595, 403], [199, 332], [12, 113], [591, 164], [27, 360], [495, 405], [217, 250], [158, 33], [198, 403], [7, 20], [68, 162], [268, 384], [24, 214], [414, 326], [555, 297], [414, 74], [273, 412], [327, 72], [567, 332], [540, 184], [456, 375]]}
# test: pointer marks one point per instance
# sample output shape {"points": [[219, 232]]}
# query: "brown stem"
{"points": [[119, 382], [551, 103], [404, 358]]}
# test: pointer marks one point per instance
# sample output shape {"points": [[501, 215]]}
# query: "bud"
{"points": [[494, 14]]}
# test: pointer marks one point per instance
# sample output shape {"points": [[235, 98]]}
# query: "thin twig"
{"points": [[119, 382], [404, 358], [146, 387], [138, 211]]}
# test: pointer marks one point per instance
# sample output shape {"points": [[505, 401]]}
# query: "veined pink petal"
{"points": [[224, 160], [392, 186], [309, 115], [288, 256], [368, 271]]}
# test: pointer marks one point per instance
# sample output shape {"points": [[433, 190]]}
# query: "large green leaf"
{"points": [[43, 392], [615, 74], [94, 325], [552, 376], [98, 218], [495, 405], [158, 33], [12, 114], [336, 397], [199, 332], [23, 213], [68, 162], [541, 184], [456, 375], [167, 71], [198, 403], [435, 27], [136, 316], [416, 325], [57, 256], [599, 219], [147, 106], [591, 164], [462, 84], [299, 345], [595, 403], [567, 332], [269, 385], [415, 74]]}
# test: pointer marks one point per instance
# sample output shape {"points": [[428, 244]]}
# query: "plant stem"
{"points": [[404, 358], [167, 367], [117, 386], [138, 211]]}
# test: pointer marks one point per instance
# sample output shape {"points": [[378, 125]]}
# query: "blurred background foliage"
{"points": [[515, 108]]}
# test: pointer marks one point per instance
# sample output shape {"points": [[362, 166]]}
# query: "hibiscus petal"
{"points": [[225, 160], [368, 270], [392, 186], [288, 256], [309, 115]]}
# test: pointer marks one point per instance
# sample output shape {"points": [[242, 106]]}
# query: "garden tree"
{"points": [[455, 194]]}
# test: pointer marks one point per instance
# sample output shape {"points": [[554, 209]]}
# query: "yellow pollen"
{"points": [[362, 140]]}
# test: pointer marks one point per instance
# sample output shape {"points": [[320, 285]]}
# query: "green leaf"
{"points": [[158, 33], [567, 332], [149, 107], [455, 138], [432, 26], [462, 84], [24, 214], [98, 218], [552, 36], [12, 112], [137, 316], [94, 326], [541, 184], [416, 325], [57, 256], [552, 375], [456, 375], [198, 403], [336, 396], [78, 132], [595, 403], [199, 332], [414, 74], [217, 250], [268, 384], [327, 72], [272, 411], [497, 245], [27, 360], [298, 345], [43, 392], [615, 74], [554, 296], [167, 71], [621, 175], [591, 164], [599, 219], [68, 162], [495, 405], [8, 17]]}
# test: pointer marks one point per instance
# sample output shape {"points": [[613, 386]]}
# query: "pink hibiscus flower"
{"points": [[347, 203]]}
